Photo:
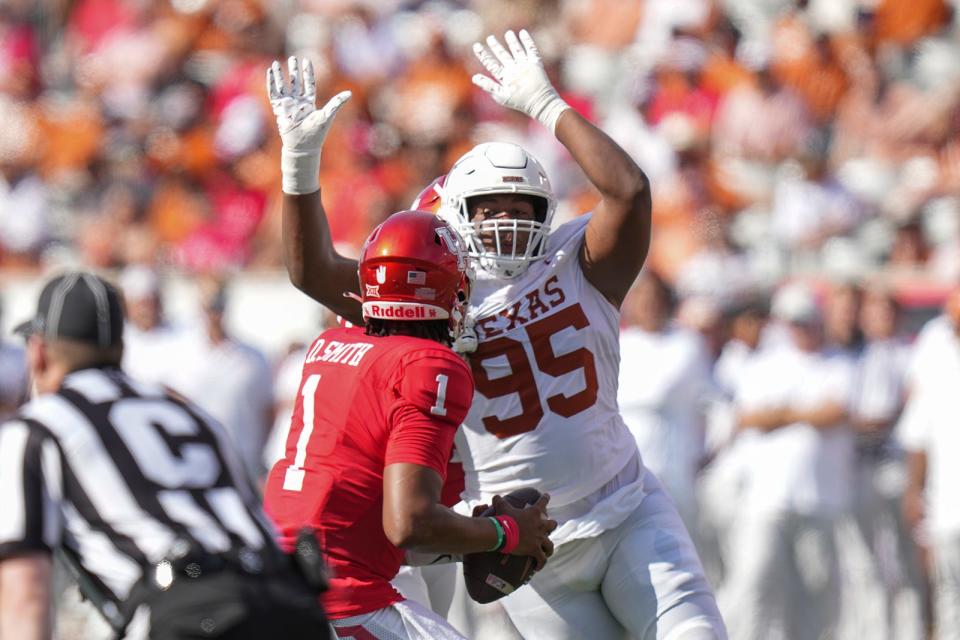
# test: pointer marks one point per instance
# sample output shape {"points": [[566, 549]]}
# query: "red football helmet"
{"points": [[431, 198], [415, 267]]}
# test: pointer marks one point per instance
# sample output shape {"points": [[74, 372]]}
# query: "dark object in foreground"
{"points": [[492, 575]]}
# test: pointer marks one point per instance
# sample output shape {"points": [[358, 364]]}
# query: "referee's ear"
{"points": [[36, 354], [38, 362]]}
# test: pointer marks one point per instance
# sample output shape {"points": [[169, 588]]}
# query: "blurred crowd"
{"points": [[809, 441], [805, 165], [780, 136]]}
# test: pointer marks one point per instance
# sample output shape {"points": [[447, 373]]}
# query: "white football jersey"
{"points": [[545, 413]]}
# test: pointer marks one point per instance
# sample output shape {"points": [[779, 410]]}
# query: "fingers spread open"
{"points": [[487, 84], [309, 81], [278, 82], [293, 66], [272, 93], [337, 101], [487, 60], [498, 50], [527, 40], [518, 52]]}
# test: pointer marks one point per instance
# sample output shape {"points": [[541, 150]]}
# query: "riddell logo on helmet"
{"points": [[513, 179], [396, 312]]}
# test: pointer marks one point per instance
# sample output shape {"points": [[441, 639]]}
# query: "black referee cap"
{"points": [[78, 306]]}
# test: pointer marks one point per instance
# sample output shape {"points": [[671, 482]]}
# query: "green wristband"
{"points": [[501, 537]]}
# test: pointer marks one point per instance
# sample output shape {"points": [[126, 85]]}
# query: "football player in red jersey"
{"points": [[372, 432]]}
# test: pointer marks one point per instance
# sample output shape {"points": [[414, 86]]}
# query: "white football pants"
{"points": [[432, 585], [407, 620], [641, 579]]}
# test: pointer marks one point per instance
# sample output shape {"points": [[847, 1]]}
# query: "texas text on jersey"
{"points": [[548, 345], [384, 400]]}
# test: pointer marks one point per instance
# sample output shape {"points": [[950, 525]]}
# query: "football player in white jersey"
{"points": [[545, 311]]}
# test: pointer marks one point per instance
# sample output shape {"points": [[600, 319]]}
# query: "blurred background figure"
{"points": [[746, 322], [152, 346], [663, 391], [928, 432], [229, 379], [887, 590], [783, 575], [841, 318], [728, 450], [286, 387], [14, 377]]}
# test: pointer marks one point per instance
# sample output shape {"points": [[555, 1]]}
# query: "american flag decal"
{"points": [[416, 277]]}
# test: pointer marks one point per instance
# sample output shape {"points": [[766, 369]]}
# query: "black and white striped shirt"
{"points": [[117, 472]]}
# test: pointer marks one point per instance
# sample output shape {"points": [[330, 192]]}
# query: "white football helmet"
{"points": [[498, 168]]}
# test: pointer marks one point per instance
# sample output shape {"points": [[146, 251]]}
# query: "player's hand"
{"points": [[535, 528], [519, 79], [302, 127]]}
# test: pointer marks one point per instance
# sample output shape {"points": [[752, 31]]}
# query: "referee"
{"points": [[139, 491]]}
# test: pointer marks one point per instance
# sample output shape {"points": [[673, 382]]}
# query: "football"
{"points": [[491, 575]]}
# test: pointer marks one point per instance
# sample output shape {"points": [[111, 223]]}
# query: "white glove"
{"points": [[302, 127], [520, 80]]}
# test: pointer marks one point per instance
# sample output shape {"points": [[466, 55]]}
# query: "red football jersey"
{"points": [[364, 403]]}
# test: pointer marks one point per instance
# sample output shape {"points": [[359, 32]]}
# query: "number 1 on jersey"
{"points": [[438, 409], [293, 480]]}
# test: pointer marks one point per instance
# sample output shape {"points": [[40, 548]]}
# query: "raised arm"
{"points": [[313, 264], [618, 235]]}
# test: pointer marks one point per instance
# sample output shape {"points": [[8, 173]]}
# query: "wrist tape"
{"points": [[300, 171]]}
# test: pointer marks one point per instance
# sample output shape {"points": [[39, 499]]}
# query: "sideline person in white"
{"points": [[665, 384], [783, 577], [151, 345], [227, 378], [14, 378], [882, 576], [930, 432], [545, 309], [722, 482]]}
